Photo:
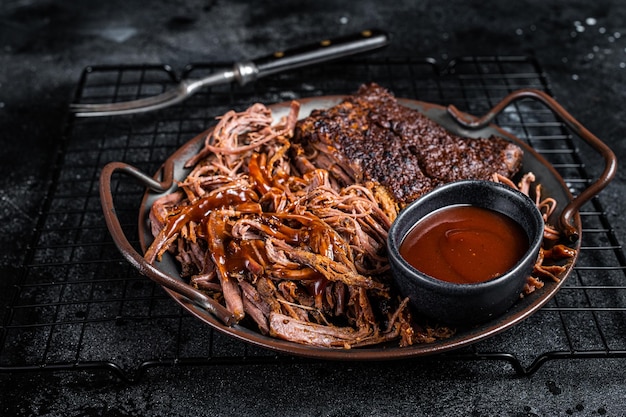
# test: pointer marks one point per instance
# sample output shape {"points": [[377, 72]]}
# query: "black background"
{"points": [[44, 45]]}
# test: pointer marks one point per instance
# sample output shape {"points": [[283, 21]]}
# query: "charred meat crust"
{"points": [[373, 137]]}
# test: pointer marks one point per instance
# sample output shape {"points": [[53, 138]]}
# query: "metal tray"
{"points": [[166, 272]]}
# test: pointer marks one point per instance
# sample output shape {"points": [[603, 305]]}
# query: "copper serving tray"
{"points": [[166, 272]]}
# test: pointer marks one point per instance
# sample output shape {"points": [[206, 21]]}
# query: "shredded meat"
{"points": [[296, 254], [291, 238], [551, 250]]}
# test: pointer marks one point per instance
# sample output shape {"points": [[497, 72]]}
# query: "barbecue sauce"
{"points": [[246, 255], [464, 244]]}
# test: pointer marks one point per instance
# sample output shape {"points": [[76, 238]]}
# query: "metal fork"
{"points": [[243, 73]]}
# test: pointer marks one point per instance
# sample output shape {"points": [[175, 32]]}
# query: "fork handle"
{"points": [[322, 51]]}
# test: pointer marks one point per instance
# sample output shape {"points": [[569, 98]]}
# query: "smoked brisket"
{"points": [[370, 136]]}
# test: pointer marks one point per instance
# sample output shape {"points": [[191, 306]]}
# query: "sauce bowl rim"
{"points": [[535, 242]]}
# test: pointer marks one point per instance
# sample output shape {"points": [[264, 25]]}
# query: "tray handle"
{"points": [[610, 161], [129, 251]]}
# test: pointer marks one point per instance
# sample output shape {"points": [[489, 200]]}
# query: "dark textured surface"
{"points": [[46, 44]]}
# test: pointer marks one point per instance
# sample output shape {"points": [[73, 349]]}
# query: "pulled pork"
{"points": [[283, 247]]}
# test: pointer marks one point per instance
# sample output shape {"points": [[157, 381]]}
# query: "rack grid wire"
{"points": [[78, 305]]}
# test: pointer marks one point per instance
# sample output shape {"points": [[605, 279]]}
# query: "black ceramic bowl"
{"points": [[466, 304]]}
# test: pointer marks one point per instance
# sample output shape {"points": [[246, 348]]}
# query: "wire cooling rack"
{"points": [[78, 305]]}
